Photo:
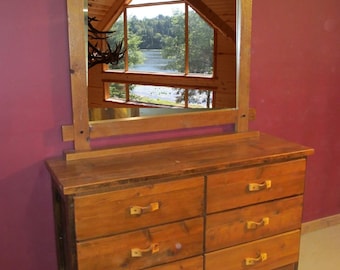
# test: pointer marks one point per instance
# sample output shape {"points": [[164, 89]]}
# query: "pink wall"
{"points": [[295, 84], [34, 103], [295, 60]]}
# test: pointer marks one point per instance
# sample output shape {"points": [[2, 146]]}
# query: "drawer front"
{"points": [[143, 248], [195, 263], [269, 253], [253, 185], [247, 224], [120, 211]]}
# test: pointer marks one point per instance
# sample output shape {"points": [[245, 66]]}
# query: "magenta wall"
{"points": [[295, 88], [295, 66], [34, 103]]}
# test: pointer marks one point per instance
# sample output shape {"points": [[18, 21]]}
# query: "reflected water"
{"points": [[153, 62]]}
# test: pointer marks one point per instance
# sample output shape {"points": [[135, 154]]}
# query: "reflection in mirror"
{"points": [[169, 63], [229, 87]]}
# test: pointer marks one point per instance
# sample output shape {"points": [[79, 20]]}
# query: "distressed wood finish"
{"points": [[113, 208], [76, 32], [153, 161], [193, 199], [191, 195], [281, 250], [243, 45], [287, 179], [165, 123], [176, 241], [230, 228]]}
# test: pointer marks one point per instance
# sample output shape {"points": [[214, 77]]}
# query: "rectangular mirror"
{"points": [[191, 61], [159, 54]]}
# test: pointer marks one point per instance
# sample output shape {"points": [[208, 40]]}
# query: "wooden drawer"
{"points": [[195, 263], [110, 213], [231, 189], [170, 242], [279, 251], [247, 224]]}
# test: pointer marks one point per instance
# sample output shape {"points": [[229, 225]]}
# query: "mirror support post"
{"points": [[78, 69], [244, 17]]}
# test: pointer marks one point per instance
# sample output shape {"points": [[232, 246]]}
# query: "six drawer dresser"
{"points": [[209, 203]]}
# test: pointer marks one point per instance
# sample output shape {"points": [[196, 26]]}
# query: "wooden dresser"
{"points": [[221, 202]]}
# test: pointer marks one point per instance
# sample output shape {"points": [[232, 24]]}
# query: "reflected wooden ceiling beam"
{"points": [[112, 14], [210, 16]]}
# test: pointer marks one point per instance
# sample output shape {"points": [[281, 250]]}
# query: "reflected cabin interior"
{"points": [[217, 82]]}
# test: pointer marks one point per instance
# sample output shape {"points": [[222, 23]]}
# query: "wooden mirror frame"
{"points": [[82, 131]]}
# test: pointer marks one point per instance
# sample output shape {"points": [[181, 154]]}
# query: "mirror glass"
{"points": [[96, 88], [154, 57]]}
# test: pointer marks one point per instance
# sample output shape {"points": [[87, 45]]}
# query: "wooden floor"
{"points": [[320, 249]]}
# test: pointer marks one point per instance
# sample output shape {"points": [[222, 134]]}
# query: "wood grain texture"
{"points": [[150, 163], [281, 250], [228, 228], [113, 208], [176, 241], [78, 74], [200, 186], [287, 179]]}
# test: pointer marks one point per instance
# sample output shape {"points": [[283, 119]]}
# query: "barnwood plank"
{"points": [[228, 228], [286, 178], [159, 146], [115, 251], [281, 250], [244, 47], [150, 162], [146, 124], [78, 69], [115, 206]]}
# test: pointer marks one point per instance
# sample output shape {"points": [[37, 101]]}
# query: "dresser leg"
{"points": [[58, 212]]}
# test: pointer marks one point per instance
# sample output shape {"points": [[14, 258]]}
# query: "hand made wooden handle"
{"points": [[252, 225], [138, 252], [262, 186], [138, 210], [252, 261]]}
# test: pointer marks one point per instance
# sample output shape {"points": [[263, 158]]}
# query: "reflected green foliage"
{"points": [[168, 34]]}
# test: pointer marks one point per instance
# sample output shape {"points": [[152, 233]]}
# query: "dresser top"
{"points": [[142, 164]]}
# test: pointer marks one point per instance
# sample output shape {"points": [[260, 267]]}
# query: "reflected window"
{"points": [[168, 57], [165, 38]]}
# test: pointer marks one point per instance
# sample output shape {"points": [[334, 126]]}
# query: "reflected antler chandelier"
{"points": [[102, 54]]}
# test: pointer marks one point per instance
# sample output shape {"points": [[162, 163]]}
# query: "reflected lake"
{"points": [[153, 62]]}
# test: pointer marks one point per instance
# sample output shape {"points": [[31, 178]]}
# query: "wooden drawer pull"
{"points": [[138, 252], [252, 261], [138, 210], [256, 187], [252, 225]]}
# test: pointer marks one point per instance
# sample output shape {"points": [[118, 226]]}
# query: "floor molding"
{"points": [[319, 224]]}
